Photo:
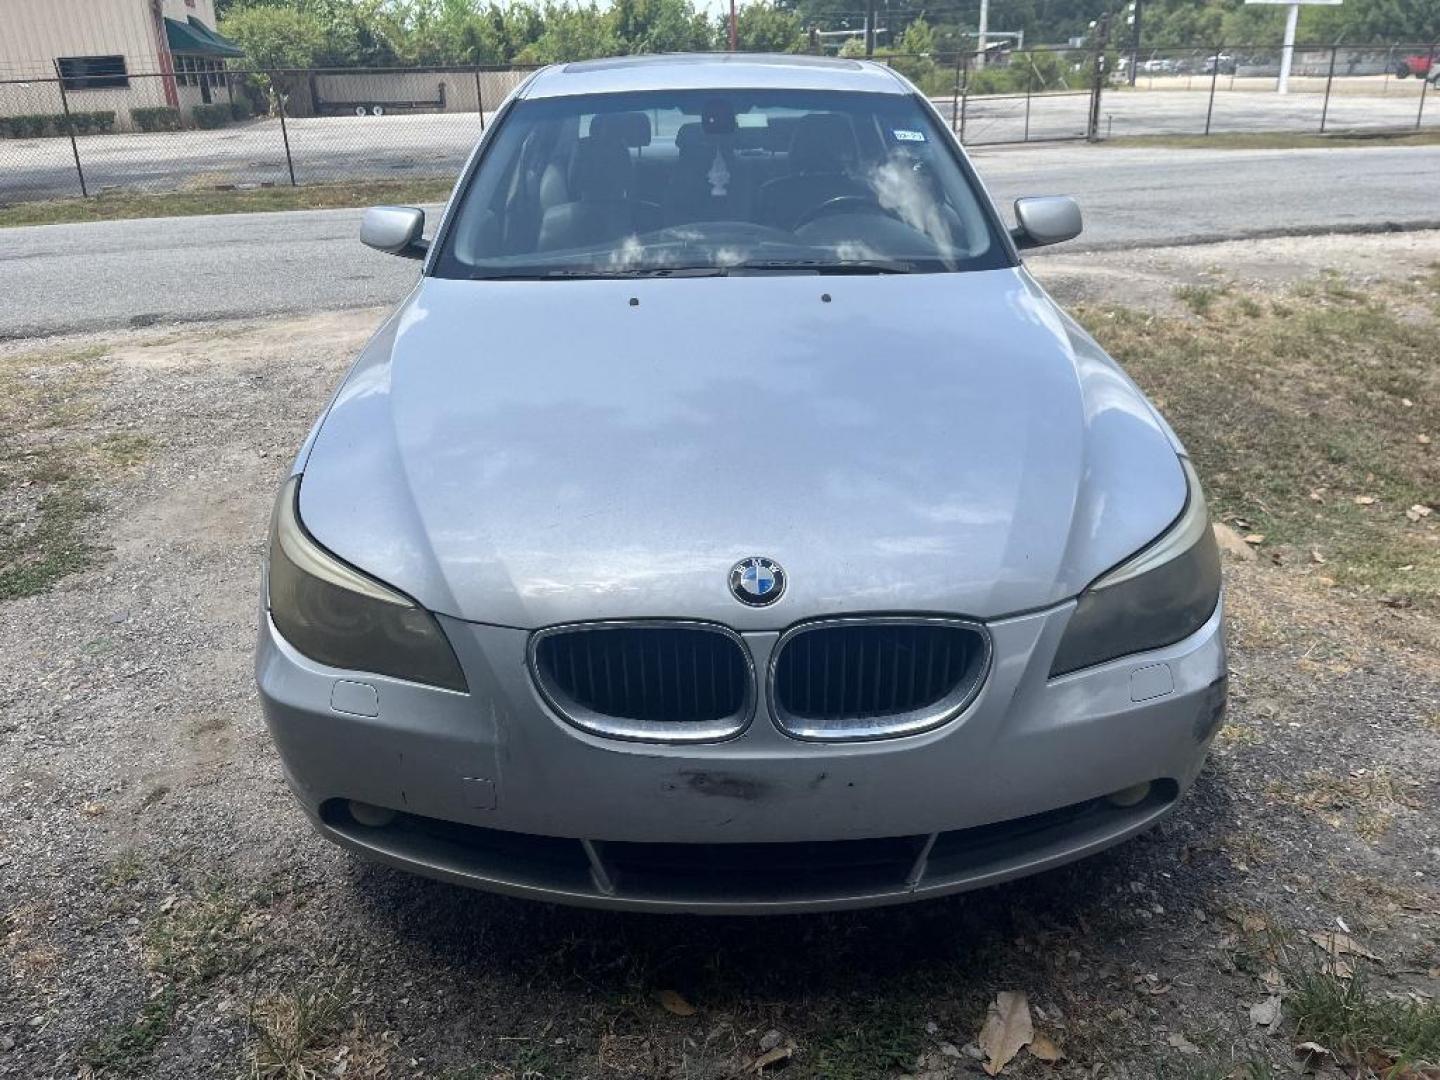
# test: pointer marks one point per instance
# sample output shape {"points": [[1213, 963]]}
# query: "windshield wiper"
{"points": [[821, 266], [598, 274]]}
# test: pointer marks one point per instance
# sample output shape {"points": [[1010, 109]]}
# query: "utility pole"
{"points": [[1133, 18], [1287, 50], [980, 33], [869, 28], [734, 34], [1101, 40]]}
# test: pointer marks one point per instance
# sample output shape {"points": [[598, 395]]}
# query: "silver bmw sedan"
{"points": [[728, 522]]}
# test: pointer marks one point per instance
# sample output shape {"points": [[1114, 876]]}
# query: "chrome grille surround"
{"points": [[666, 637], [968, 654]]}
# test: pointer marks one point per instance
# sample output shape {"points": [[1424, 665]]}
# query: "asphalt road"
{"points": [[61, 278]]}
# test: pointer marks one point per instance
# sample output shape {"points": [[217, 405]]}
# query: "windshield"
{"points": [[718, 182]]}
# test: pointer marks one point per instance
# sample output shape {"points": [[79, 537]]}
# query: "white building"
{"points": [[112, 55]]}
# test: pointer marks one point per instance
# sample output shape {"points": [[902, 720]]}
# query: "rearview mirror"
{"points": [[1045, 219], [395, 229]]}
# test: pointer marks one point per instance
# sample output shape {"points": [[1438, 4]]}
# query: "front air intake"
{"points": [[872, 678], [664, 681]]}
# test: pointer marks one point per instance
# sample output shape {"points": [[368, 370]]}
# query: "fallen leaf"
{"points": [[1338, 944], [1364, 500], [1317, 558], [1007, 1028], [1044, 1048], [1423, 440], [773, 1057], [1252, 923], [1310, 1051], [1254, 538], [1266, 1013], [1418, 511], [1316, 496], [674, 1003], [1181, 1043]]}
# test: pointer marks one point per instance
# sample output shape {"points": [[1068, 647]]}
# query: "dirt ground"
{"points": [[166, 911]]}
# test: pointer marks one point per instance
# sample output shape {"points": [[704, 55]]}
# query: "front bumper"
{"points": [[495, 791]]}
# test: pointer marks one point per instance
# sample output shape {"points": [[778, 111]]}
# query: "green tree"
{"points": [[761, 26], [854, 48], [660, 26], [276, 37], [572, 33]]}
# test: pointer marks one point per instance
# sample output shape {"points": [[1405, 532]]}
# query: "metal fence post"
{"points": [[1214, 77], [284, 132], [1329, 79], [955, 98], [479, 98], [1029, 87], [70, 129], [1425, 85], [964, 94]]}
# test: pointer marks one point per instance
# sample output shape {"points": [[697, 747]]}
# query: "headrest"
{"points": [[690, 138], [823, 142], [631, 128], [601, 169]]}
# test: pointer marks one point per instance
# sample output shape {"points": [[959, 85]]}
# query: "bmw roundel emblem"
{"points": [[757, 581]]}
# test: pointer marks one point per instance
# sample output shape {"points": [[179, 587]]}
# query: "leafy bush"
{"points": [[241, 109], [211, 116], [156, 118], [25, 127], [87, 123]]}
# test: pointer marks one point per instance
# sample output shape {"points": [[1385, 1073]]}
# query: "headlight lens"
{"points": [[1163, 594], [338, 616]]}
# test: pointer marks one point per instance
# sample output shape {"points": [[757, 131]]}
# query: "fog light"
{"points": [[1130, 796], [372, 817]]}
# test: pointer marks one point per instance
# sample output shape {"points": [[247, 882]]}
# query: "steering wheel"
{"points": [[841, 204]]}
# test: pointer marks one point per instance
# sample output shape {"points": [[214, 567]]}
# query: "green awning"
{"points": [[194, 38]]}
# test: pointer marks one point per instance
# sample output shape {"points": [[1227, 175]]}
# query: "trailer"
{"points": [[370, 94]]}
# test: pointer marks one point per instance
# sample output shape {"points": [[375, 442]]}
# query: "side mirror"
{"points": [[1045, 219], [396, 230]]}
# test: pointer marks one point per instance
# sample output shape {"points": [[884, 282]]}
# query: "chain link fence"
{"points": [[218, 130]]}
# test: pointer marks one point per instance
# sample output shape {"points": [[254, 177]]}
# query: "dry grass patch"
{"points": [[49, 464], [311, 1031], [1369, 799], [1312, 416]]}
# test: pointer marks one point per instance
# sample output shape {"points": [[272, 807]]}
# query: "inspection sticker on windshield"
{"points": [[902, 135]]}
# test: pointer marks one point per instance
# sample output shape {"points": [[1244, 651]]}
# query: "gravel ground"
{"points": [[165, 910]]}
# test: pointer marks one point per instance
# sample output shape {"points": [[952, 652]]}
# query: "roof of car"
{"points": [[712, 71]]}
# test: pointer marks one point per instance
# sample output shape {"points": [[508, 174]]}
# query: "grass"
{"points": [[201, 937], [311, 1031], [119, 205], [125, 1049], [1355, 1021], [47, 472], [1277, 140], [1306, 413]]}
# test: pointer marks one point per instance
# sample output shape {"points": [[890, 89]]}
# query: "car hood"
{"points": [[528, 454]]}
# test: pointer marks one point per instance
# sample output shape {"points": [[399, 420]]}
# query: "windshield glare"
{"points": [[718, 182]]}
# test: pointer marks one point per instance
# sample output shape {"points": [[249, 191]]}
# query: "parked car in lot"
{"points": [[728, 522], [1221, 63]]}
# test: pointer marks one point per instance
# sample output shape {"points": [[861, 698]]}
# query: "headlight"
{"points": [[336, 615], [1163, 594]]}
